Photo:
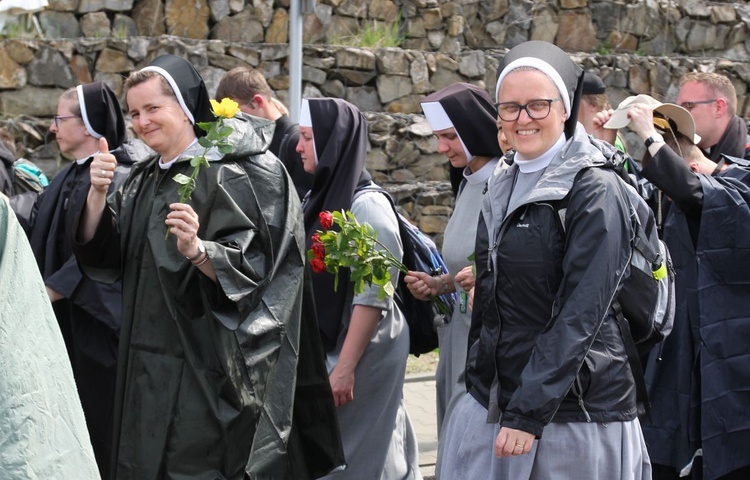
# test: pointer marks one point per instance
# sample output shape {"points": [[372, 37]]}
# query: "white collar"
{"points": [[481, 175], [83, 160], [165, 165], [542, 161]]}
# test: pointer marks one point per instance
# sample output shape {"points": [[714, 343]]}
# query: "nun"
{"points": [[88, 312], [462, 119], [366, 338], [210, 338], [550, 391]]}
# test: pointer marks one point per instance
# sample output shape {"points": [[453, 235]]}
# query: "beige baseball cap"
{"points": [[674, 113]]}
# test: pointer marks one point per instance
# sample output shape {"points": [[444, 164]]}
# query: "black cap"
{"points": [[592, 84]]}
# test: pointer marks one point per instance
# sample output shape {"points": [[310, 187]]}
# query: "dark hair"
{"points": [[242, 83]]}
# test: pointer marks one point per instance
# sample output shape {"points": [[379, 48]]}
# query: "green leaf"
{"points": [[205, 126], [226, 149], [196, 162], [181, 179], [225, 131], [388, 287], [205, 142]]}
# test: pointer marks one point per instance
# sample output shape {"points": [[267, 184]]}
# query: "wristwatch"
{"points": [[201, 251], [655, 138]]}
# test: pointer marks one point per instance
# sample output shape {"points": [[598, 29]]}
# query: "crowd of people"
{"points": [[200, 344]]}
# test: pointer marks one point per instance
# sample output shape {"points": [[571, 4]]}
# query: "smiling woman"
{"points": [[545, 352], [215, 333]]}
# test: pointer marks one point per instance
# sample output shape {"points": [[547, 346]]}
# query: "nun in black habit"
{"points": [[462, 118], [219, 373], [88, 312], [366, 339], [550, 391]]}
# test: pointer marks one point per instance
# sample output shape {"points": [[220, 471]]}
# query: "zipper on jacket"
{"points": [[489, 255], [578, 390]]}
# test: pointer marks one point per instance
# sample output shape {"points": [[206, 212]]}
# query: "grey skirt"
{"points": [[592, 451]]}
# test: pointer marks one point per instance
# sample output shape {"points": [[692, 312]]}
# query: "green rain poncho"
{"points": [[42, 429], [207, 373]]}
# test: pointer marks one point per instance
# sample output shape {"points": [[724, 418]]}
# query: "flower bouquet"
{"points": [[355, 246]]}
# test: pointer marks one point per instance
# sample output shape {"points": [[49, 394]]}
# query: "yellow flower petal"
{"points": [[228, 108]]}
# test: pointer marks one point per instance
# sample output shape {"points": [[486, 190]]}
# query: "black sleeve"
{"points": [[671, 174]]}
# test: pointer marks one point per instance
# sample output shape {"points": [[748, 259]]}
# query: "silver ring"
{"points": [[103, 174], [519, 445]]}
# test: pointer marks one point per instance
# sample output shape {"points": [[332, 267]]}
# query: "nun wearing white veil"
{"points": [[462, 119], [550, 391]]}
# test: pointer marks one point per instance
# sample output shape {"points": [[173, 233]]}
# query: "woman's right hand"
{"points": [[102, 172], [421, 285], [102, 169]]}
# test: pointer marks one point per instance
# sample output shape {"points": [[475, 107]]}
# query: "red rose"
{"points": [[319, 250], [316, 238], [326, 220], [318, 265]]}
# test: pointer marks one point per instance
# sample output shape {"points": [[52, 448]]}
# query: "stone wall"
{"points": [[385, 83], [647, 26]]}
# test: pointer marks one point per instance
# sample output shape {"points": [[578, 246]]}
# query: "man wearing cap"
{"points": [[700, 424], [712, 101], [594, 101]]}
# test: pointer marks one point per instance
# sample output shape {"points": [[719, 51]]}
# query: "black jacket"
{"points": [[544, 345], [698, 389]]}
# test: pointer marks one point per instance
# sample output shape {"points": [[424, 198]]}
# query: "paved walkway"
{"points": [[419, 395]]}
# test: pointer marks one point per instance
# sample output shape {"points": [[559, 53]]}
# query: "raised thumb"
{"points": [[103, 146]]}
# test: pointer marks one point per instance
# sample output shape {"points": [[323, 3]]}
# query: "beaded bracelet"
{"points": [[205, 259]]}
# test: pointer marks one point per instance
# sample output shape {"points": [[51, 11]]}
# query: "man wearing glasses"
{"points": [[712, 101]]}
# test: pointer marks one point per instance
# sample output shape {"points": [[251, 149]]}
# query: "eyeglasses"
{"points": [[63, 117], [691, 105], [536, 109]]}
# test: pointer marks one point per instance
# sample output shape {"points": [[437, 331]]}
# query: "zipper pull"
{"points": [[489, 256]]}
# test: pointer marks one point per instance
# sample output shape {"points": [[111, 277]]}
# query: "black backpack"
{"points": [[420, 254], [645, 304]]}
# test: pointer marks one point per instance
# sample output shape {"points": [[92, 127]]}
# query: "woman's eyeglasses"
{"points": [[536, 109], [58, 118], [691, 105]]}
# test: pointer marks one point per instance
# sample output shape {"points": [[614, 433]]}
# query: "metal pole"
{"points": [[295, 59]]}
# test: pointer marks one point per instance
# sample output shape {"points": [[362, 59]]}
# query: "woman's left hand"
{"points": [[510, 442], [183, 224], [342, 385]]}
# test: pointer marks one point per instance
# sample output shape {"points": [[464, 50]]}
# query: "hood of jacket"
{"points": [[250, 136]]}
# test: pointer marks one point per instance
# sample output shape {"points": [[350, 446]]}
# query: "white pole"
{"points": [[295, 59]]}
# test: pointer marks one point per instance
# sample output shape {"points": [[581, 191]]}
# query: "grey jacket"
{"points": [[544, 344]]}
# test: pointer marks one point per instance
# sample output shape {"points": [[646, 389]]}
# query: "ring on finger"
{"points": [[519, 445], [103, 174]]}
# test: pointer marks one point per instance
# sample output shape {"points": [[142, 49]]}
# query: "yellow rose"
{"points": [[226, 109]]}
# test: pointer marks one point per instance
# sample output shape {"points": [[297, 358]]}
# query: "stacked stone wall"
{"points": [[386, 83], [651, 27]]}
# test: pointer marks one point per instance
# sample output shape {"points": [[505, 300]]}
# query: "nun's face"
{"points": [[449, 144], [306, 149], [158, 119], [70, 132], [531, 138], [502, 139]]}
